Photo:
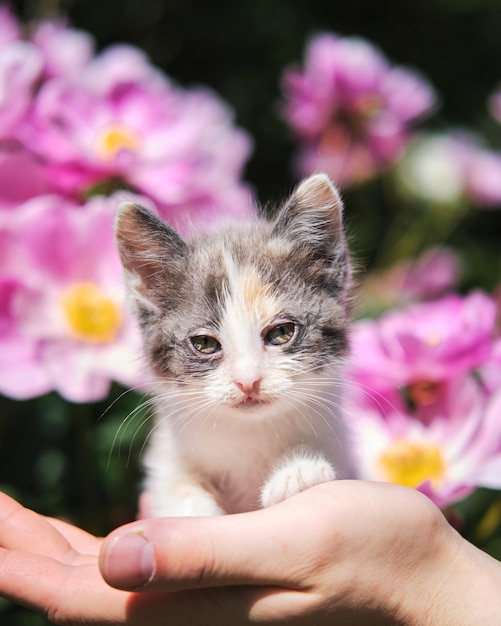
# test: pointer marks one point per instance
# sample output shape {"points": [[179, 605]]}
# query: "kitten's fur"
{"points": [[244, 331]]}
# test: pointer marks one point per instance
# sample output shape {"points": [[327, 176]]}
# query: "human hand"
{"points": [[344, 552], [51, 567]]}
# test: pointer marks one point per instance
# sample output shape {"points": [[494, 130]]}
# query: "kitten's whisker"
{"points": [[378, 398], [130, 416], [319, 406], [177, 405], [137, 431], [121, 429], [117, 399], [185, 411]]}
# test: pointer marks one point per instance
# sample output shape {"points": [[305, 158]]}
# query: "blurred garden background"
{"points": [[399, 102]]}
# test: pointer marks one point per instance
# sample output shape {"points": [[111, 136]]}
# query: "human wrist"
{"points": [[472, 595], [458, 585]]}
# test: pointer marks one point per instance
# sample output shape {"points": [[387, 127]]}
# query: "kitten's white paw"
{"points": [[293, 475]]}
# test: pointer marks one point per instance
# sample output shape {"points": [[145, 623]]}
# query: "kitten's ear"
{"points": [[152, 253], [313, 216]]}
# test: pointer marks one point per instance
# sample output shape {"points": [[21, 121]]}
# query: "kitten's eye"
{"points": [[280, 334], [205, 344]]}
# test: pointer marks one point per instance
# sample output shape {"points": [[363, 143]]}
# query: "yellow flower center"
{"points": [[114, 139], [411, 463], [91, 314]]}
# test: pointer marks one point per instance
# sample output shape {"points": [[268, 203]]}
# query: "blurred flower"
{"points": [[20, 67], [430, 276], [64, 300], [20, 373], [9, 27], [427, 344], [422, 413], [123, 121], [75, 126], [446, 459], [22, 177], [65, 51], [451, 167], [350, 110], [490, 371]]}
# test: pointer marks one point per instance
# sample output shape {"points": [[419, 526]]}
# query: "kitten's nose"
{"points": [[249, 388]]}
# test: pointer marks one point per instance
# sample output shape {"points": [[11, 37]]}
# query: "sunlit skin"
{"points": [[349, 553]]}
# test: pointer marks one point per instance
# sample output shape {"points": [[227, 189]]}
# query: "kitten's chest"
{"points": [[235, 461], [231, 455]]}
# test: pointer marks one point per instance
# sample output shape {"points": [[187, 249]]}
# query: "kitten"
{"points": [[244, 330]]}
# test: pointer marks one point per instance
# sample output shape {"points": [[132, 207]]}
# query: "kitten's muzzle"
{"points": [[251, 394], [250, 390]]}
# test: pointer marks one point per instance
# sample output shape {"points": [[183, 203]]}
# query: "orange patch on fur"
{"points": [[250, 304], [257, 295]]}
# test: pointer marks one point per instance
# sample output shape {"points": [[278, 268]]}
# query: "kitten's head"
{"points": [[243, 314]]}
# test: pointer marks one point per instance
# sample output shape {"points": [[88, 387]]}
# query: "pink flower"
{"points": [[425, 397], [426, 343], [73, 126], [122, 120], [69, 305], [490, 371], [22, 177], [20, 373], [20, 68], [9, 27], [350, 109], [65, 51], [430, 276], [446, 459], [481, 169], [52, 50]]}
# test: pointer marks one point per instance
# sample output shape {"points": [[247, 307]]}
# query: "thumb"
{"points": [[169, 554]]}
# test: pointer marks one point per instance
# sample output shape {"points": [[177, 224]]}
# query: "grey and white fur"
{"points": [[245, 330]]}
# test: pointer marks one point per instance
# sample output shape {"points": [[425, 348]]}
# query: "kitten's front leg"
{"points": [[183, 500], [294, 473], [172, 489], [173, 485]]}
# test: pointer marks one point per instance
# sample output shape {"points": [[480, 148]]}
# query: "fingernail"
{"points": [[129, 561]]}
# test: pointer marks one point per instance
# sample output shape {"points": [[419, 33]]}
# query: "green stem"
{"points": [[406, 238]]}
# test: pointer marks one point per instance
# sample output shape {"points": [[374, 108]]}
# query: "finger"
{"points": [[64, 593], [76, 595], [264, 547], [80, 540], [23, 529]]}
